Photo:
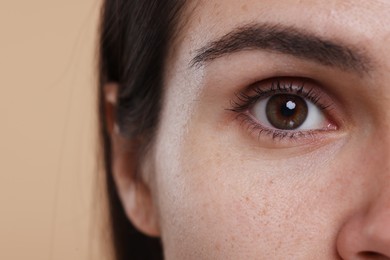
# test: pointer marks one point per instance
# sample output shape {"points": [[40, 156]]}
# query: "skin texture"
{"points": [[214, 189]]}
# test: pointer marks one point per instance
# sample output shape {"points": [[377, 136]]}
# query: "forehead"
{"points": [[345, 13]]}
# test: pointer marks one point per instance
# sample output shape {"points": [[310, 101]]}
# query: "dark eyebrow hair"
{"points": [[286, 40]]}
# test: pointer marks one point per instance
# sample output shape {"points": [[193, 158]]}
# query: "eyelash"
{"points": [[261, 90]]}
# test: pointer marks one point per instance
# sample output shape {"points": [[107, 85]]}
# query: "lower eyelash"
{"points": [[275, 134]]}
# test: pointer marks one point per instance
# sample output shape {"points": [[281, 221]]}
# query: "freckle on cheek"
{"points": [[218, 247], [263, 212]]}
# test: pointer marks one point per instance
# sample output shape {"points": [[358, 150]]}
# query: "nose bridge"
{"points": [[378, 215], [366, 233], [377, 178], [377, 162], [374, 134]]}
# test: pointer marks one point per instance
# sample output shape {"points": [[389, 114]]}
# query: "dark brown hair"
{"points": [[134, 37]]}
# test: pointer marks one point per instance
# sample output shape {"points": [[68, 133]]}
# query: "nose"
{"points": [[366, 234]]}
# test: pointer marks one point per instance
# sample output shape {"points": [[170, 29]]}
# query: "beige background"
{"points": [[48, 174]]}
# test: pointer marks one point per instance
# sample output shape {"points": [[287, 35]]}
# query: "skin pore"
{"points": [[219, 184]]}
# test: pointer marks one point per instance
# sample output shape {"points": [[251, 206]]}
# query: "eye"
{"points": [[297, 108], [288, 112]]}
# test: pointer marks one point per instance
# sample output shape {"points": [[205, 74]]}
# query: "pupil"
{"points": [[289, 109], [286, 112]]}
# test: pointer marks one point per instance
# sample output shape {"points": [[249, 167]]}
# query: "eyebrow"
{"points": [[286, 40]]}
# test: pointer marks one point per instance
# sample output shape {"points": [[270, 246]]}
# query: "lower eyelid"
{"points": [[268, 138], [254, 125]]}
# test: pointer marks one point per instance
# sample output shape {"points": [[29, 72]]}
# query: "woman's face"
{"points": [[274, 138]]}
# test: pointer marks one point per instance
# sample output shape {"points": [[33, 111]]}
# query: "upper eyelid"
{"points": [[244, 99]]}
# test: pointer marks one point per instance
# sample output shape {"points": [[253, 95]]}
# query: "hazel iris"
{"points": [[286, 112]]}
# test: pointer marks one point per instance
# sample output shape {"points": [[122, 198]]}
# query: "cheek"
{"points": [[219, 198]]}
